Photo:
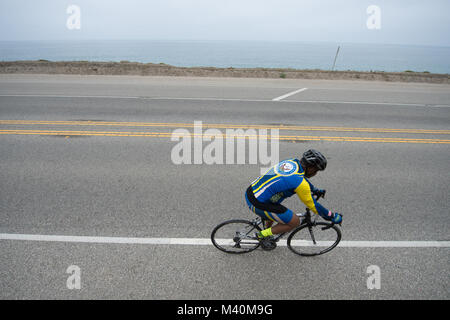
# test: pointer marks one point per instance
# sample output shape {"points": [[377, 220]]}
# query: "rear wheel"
{"points": [[235, 236], [312, 240]]}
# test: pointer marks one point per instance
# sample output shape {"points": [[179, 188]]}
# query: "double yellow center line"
{"points": [[292, 138]]}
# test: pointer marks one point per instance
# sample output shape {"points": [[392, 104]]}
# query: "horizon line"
{"points": [[232, 40]]}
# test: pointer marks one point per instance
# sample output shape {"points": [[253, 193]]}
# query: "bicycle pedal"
{"points": [[268, 244]]}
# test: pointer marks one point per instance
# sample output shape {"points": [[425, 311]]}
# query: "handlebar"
{"points": [[318, 196]]}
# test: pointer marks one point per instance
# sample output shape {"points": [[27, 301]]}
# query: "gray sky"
{"points": [[402, 21]]}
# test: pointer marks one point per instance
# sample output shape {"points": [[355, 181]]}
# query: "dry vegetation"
{"points": [[150, 69]]}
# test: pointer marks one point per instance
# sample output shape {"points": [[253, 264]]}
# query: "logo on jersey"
{"points": [[286, 167]]}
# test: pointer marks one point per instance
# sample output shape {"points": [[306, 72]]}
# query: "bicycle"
{"points": [[310, 238]]}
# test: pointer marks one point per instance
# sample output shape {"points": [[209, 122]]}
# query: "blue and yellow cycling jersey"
{"points": [[282, 181]]}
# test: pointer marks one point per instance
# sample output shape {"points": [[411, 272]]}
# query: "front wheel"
{"points": [[235, 236], [314, 239]]}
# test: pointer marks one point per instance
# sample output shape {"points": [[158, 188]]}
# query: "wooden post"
{"points": [[334, 63]]}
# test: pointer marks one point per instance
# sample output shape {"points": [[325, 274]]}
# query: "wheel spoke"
{"points": [[235, 236]]}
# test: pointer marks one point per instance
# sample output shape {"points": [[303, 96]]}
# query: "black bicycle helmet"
{"points": [[314, 158]]}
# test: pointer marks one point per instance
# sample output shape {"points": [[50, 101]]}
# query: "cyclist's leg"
{"points": [[286, 227], [286, 219], [286, 222], [268, 224], [266, 218]]}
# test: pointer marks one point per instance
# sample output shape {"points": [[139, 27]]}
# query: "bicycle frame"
{"points": [[306, 221], [258, 221]]}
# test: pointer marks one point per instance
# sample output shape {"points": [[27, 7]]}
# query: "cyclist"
{"points": [[265, 194]]}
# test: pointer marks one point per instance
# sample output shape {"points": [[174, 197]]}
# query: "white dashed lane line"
{"points": [[289, 94]]}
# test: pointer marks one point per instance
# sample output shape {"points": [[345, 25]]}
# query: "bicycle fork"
{"points": [[312, 234]]}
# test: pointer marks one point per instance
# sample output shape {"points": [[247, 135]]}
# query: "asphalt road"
{"points": [[92, 156]]}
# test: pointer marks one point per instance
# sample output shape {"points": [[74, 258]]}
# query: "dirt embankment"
{"points": [[150, 69]]}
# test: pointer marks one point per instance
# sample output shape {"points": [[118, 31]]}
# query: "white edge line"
{"points": [[288, 94], [234, 99], [207, 241], [364, 102], [67, 96]]}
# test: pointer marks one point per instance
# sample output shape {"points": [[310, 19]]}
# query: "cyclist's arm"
{"points": [[304, 193], [313, 189]]}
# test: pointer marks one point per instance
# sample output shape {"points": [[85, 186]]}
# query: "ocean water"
{"points": [[238, 54]]}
